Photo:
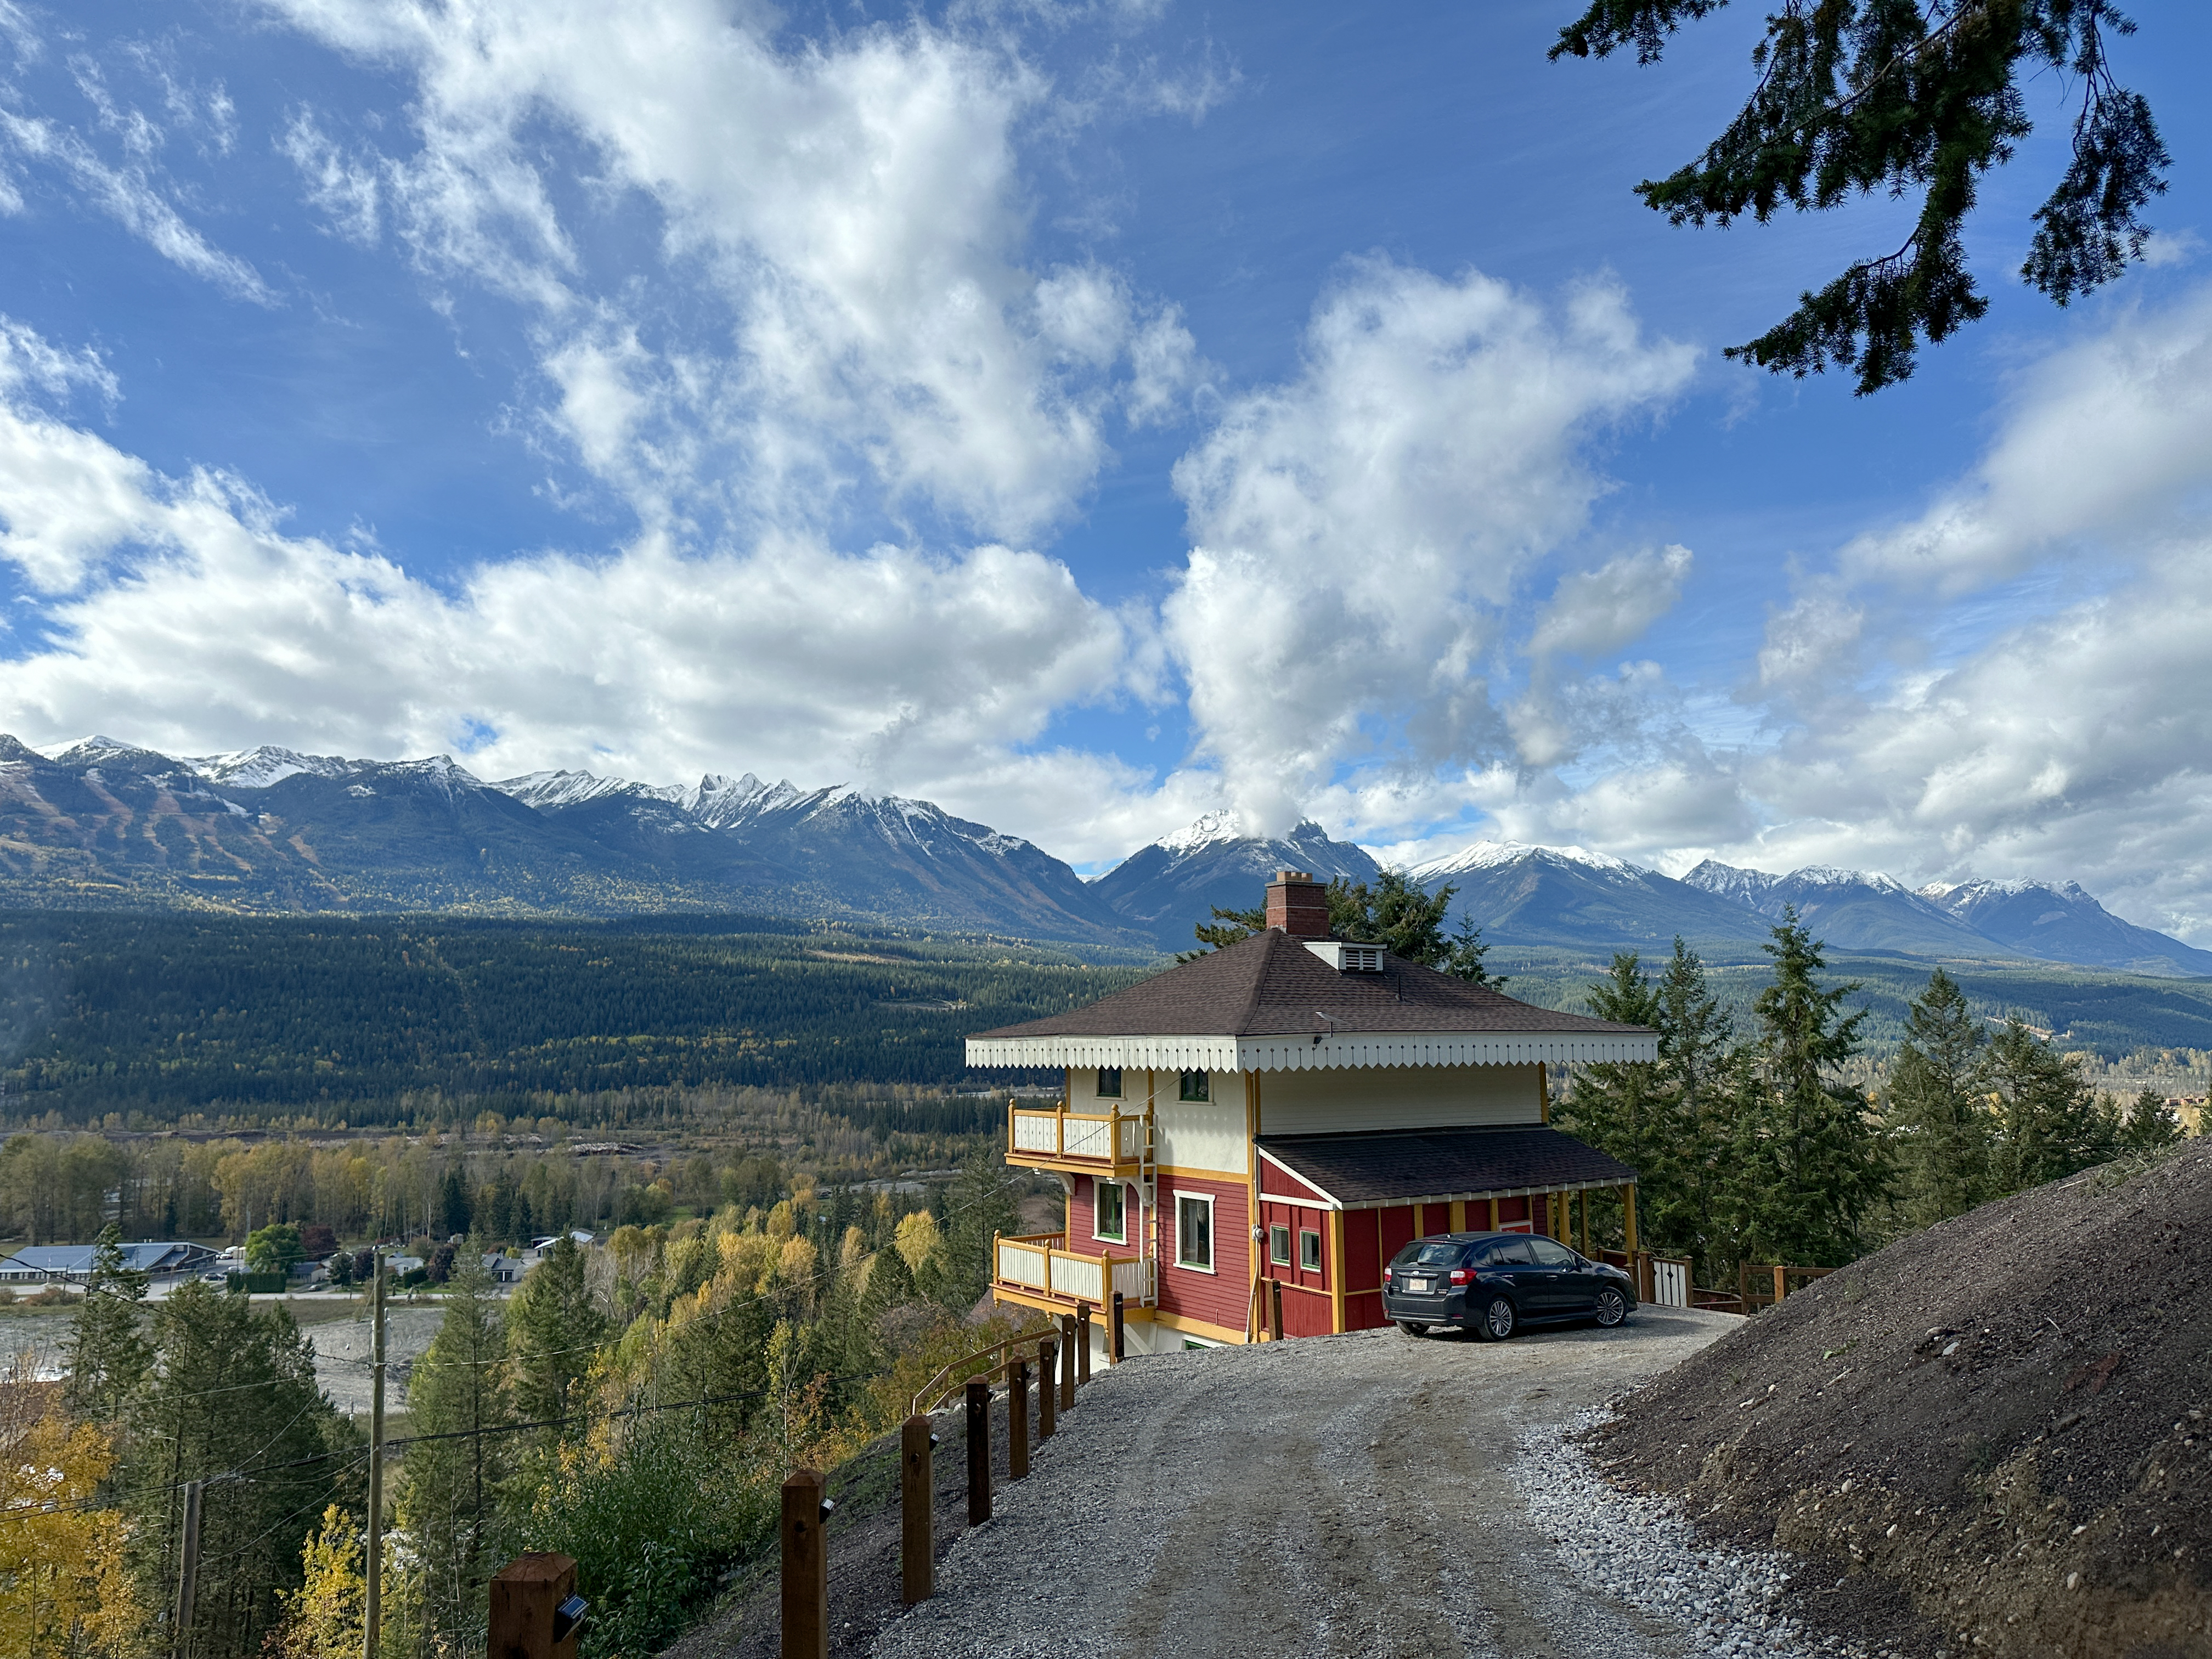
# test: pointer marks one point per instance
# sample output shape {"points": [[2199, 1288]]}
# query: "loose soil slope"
{"points": [[1994, 1430]]}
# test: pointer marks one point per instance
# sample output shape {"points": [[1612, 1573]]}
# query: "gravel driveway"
{"points": [[1353, 1494]]}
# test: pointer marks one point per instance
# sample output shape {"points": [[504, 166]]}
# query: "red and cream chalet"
{"points": [[1293, 1106]]}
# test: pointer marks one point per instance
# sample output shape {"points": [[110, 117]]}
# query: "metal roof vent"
{"points": [[1348, 958]]}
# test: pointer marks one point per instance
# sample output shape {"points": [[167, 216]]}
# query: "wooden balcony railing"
{"points": [[1040, 1268], [1056, 1136]]}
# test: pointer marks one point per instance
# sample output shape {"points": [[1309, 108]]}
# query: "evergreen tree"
{"points": [[978, 1202], [449, 1488], [1857, 95], [108, 1356], [1939, 1130], [1465, 957], [454, 1206], [1806, 1165], [2048, 1125], [553, 1327], [232, 1394], [1619, 1107], [2150, 1125]]}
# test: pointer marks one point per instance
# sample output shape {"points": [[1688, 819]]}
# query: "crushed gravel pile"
{"points": [[1731, 1603], [1989, 1437]]}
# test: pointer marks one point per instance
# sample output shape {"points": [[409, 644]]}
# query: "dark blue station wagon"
{"points": [[1492, 1284]]}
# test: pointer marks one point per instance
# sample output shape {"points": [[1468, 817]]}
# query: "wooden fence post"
{"points": [[917, 1500], [806, 1568], [531, 1614], [1067, 1362], [1275, 1308], [1048, 1352], [1117, 1329], [1781, 1288], [1018, 1418], [978, 1392], [1082, 1343]]}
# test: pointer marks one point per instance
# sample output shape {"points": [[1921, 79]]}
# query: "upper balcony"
{"points": [[1040, 1271], [1111, 1143]]}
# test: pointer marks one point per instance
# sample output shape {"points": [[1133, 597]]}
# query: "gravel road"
{"points": [[1362, 1494]]}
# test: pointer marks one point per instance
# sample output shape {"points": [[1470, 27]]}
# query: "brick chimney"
{"points": [[1298, 904]]}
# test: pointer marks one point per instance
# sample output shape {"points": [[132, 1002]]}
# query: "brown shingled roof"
{"points": [[1270, 985]]}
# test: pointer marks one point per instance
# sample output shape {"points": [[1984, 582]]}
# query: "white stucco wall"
{"points": [[1397, 1097]]}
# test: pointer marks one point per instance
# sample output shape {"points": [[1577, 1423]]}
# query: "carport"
{"points": [[1334, 1208]]}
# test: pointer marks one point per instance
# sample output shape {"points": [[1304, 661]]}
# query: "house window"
{"points": [[1193, 1086], [1109, 1083], [1308, 1250], [1278, 1245], [1110, 1223], [1194, 1232]]}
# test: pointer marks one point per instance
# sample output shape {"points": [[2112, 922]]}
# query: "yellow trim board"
{"points": [[1195, 1326]]}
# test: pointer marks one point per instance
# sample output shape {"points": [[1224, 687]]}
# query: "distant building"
{"points": [[503, 1269], [1292, 1108], [71, 1264]]}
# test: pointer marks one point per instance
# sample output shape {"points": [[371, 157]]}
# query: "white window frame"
{"points": [[1098, 1185], [1305, 1233], [1183, 1233]]}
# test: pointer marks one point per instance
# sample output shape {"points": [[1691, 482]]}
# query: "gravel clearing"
{"points": [[1363, 1494], [1732, 1603]]}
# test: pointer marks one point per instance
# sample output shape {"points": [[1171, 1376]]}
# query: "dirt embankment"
{"points": [[1993, 1435]]}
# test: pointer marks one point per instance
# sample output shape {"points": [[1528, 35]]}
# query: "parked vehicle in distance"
{"points": [[1492, 1284]]}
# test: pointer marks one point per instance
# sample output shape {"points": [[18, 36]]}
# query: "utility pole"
{"points": [[374, 1609], [188, 1572]]}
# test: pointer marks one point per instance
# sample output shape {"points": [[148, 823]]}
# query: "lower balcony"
{"points": [[1039, 1271]]}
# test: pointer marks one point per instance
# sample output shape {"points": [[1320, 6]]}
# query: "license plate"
{"points": [[1420, 1286]]}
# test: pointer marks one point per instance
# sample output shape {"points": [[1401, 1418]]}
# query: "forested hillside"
{"points": [[151, 1016]]}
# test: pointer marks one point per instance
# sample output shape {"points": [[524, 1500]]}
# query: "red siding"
{"points": [[1272, 1180], [1307, 1308], [1305, 1314], [1079, 1213], [1513, 1214], [1223, 1297], [1363, 1272]]}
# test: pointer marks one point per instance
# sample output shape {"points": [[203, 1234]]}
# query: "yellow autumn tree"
{"points": [[325, 1617], [61, 1554]]}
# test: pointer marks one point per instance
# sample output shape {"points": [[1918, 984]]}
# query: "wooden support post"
{"points": [[1018, 1418], [1628, 1214], [1781, 1288], [1275, 1308], [1048, 1353], [1336, 1271], [188, 1569], [917, 1504], [1117, 1329], [1082, 1343], [806, 1568], [1067, 1362], [525, 1616], [978, 1392], [1586, 1231]]}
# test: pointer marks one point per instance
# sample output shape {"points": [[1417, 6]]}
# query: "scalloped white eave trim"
{"points": [[1305, 1054]]}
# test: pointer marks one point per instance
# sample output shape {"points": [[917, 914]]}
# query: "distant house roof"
{"points": [[1434, 1166], [74, 1260], [1267, 1002]]}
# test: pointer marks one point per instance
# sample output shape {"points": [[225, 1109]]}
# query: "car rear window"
{"points": [[1429, 1253]]}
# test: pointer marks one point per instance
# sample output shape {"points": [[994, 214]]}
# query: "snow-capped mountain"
{"points": [[97, 821], [1172, 886], [1520, 894], [1851, 909], [2058, 920]]}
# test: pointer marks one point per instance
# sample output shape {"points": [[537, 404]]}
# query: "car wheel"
{"points": [[1612, 1307], [1412, 1328], [1499, 1319]]}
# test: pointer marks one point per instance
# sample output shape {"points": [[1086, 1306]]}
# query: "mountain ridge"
{"points": [[98, 821]]}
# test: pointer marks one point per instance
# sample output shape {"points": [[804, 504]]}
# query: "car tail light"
{"points": [[1461, 1275], [1386, 1274]]}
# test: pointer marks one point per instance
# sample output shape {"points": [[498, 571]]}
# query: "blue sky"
{"points": [[1086, 417]]}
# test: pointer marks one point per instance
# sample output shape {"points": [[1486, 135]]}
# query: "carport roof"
{"points": [[1433, 1166]]}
